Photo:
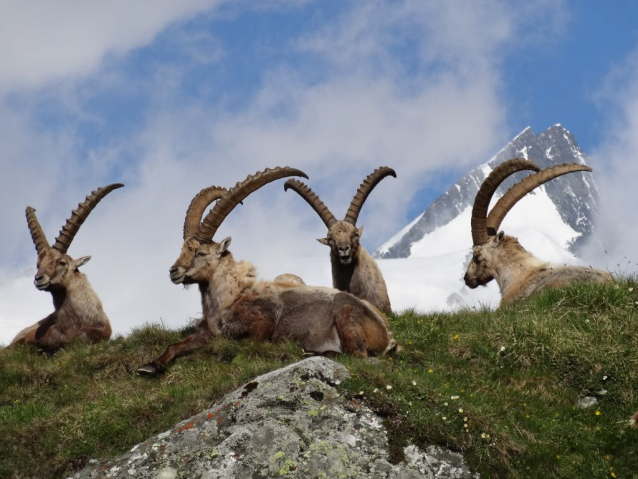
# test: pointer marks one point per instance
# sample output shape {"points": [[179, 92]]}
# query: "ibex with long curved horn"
{"points": [[353, 269], [518, 273], [235, 305], [78, 310]]}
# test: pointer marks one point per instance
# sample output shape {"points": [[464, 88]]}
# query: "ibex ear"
{"points": [[323, 241], [361, 231], [499, 238], [225, 243], [76, 263]]}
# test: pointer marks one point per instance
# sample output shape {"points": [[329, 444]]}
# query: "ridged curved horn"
{"points": [[79, 215], [486, 191], [236, 194], [198, 206], [364, 190], [516, 192], [37, 235], [313, 200]]}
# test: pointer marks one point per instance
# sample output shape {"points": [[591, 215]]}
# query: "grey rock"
{"points": [[575, 196], [291, 422], [586, 402]]}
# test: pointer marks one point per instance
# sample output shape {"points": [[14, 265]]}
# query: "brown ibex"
{"points": [[78, 310], [518, 273], [353, 269], [235, 305]]}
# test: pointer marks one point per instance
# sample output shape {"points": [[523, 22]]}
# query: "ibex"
{"points": [[235, 305], [518, 273], [353, 269], [78, 310]]}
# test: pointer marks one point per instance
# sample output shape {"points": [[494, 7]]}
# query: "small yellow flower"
{"points": [[456, 336], [557, 456], [465, 418], [613, 474], [430, 371], [465, 425], [598, 413]]}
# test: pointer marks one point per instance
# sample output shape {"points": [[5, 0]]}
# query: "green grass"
{"points": [[515, 374]]}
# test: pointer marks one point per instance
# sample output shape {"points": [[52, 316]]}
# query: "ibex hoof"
{"points": [[148, 370]]}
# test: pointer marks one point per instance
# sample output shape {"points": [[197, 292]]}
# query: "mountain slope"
{"points": [[574, 196]]}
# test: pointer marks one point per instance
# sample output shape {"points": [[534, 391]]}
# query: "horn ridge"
{"points": [[79, 215], [197, 207], [364, 190], [37, 234], [312, 199], [519, 190], [236, 194], [487, 190]]}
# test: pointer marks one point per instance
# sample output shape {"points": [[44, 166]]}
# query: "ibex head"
{"points": [[55, 267], [343, 235], [200, 255], [490, 246]]}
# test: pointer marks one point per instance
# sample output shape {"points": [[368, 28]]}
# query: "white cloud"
{"points": [[364, 108], [616, 168]]}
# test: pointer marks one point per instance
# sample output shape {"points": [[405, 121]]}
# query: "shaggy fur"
{"points": [[289, 278], [520, 274], [235, 305], [78, 310], [353, 269]]}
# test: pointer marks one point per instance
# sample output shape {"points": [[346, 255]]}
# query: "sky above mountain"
{"points": [[170, 97]]}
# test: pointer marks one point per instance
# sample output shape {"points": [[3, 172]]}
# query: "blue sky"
{"points": [[170, 97]]}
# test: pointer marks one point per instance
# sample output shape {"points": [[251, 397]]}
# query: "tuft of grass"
{"points": [[499, 386]]}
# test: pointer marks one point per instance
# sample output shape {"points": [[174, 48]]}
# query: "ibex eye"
{"points": [[200, 253]]}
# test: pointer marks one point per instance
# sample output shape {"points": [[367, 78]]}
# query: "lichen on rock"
{"points": [[291, 422]]}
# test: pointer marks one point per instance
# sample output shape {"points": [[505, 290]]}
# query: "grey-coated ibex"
{"points": [[78, 310], [235, 305], [353, 269], [518, 273]]}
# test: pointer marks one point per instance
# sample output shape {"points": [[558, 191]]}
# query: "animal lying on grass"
{"points": [[78, 310], [519, 274], [353, 269], [236, 305]]}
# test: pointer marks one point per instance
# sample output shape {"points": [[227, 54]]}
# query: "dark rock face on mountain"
{"points": [[575, 196]]}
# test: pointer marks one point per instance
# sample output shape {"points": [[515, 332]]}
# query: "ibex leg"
{"points": [[191, 343]]}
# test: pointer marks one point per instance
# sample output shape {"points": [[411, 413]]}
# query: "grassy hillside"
{"points": [[499, 386]]}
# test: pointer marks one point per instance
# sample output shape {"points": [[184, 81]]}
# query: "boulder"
{"points": [[291, 422]]}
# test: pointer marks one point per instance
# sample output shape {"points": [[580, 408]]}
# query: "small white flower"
{"points": [[360, 393], [502, 348], [630, 289], [413, 383], [461, 410], [388, 387], [605, 378], [454, 397], [444, 418], [375, 390], [445, 403]]}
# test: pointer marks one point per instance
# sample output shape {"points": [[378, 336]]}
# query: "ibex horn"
{"points": [[364, 190], [312, 199], [198, 206], [37, 235], [79, 215], [516, 192], [485, 193], [236, 194]]}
